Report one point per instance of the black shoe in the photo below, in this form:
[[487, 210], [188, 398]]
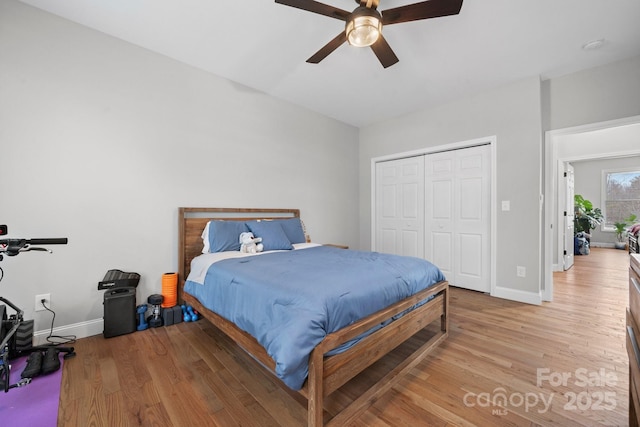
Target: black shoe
[[51, 362], [34, 365]]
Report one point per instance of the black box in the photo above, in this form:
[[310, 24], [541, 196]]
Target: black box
[[119, 312], [171, 315], [167, 316], [177, 314]]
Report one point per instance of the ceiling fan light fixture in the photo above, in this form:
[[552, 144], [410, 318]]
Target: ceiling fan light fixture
[[363, 27]]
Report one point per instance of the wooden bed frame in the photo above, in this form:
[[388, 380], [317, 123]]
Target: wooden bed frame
[[326, 374]]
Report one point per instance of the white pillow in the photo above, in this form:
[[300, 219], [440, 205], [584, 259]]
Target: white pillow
[[205, 239]]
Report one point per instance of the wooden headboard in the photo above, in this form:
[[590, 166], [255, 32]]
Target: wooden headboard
[[191, 223]]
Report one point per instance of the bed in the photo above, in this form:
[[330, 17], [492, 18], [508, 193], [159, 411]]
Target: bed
[[342, 351]]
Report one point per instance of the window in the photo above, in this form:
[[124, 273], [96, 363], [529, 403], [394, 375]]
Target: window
[[621, 190]]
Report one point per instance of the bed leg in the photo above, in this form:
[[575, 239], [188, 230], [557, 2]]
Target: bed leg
[[444, 319], [315, 404]]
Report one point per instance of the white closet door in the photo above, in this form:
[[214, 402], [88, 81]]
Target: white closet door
[[400, 207], [439, 211], [457, 215], [474, 219]]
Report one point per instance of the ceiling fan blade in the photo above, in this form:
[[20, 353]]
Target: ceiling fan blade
[[328, 48], [316, 7], [384, 52], [423, 10]]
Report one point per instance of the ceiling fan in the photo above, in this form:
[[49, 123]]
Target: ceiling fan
[[364, 25]]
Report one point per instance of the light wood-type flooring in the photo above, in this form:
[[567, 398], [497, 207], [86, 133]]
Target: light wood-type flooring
[[504, 364]]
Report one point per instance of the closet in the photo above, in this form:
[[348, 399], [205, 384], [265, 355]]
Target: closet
[[437, 206]]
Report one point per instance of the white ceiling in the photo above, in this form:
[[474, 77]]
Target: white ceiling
[[264, 45]]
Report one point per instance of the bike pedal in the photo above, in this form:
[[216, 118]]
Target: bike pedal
[[51, 362], [34, 365]]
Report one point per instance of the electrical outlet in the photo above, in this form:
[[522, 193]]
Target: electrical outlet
[[47, 301], [521, 271]]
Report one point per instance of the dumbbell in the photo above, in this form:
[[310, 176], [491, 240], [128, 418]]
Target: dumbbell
[[194, 314], [142, 310], [155, 320], [188, 315]]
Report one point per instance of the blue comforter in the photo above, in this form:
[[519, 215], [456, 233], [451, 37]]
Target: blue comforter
[[290, 300]]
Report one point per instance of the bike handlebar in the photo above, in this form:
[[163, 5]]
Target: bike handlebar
[[22, 242], [56, 241], [14, 246]]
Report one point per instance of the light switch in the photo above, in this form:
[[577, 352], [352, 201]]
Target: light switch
[[506, 205]]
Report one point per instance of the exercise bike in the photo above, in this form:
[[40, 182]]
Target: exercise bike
[[14, 326]]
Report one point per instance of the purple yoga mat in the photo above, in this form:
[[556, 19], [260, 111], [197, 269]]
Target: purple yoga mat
[[35, 404]]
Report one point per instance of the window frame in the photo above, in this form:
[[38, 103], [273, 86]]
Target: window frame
[[603, 195]]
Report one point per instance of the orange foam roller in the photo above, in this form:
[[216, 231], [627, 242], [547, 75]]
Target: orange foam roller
[[169, 289]]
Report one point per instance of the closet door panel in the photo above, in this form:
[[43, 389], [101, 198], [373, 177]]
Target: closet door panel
[[387, 241], [470, 260], [473, 218], [410, 240], [471, 199], [441, 249], [458, 205], [400, 207], [439, 212]]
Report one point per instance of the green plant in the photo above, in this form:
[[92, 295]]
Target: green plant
[[586, 216], [621, 227]]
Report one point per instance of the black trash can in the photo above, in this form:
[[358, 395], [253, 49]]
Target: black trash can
[[119, 302], [119, 312]]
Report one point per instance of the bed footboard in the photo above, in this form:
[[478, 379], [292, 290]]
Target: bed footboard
[[328, 374]]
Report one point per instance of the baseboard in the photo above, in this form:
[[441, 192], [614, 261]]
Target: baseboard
[[79, 330], [517, 295], [602, 245]]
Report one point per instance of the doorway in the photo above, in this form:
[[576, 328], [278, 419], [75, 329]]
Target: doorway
[[616, 138]]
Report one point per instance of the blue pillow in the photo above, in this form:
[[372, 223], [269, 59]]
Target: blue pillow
[[225, 235], [272, 234], [293, 229]]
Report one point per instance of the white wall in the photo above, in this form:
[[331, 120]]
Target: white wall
[[595, 95], [102, 141], [512, 114]]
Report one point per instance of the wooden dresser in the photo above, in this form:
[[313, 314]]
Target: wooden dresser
[[633, 340]]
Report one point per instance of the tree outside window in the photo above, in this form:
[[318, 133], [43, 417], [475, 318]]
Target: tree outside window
[[622, 196]]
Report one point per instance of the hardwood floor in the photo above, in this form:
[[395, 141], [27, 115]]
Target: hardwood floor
[[504, 364]]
